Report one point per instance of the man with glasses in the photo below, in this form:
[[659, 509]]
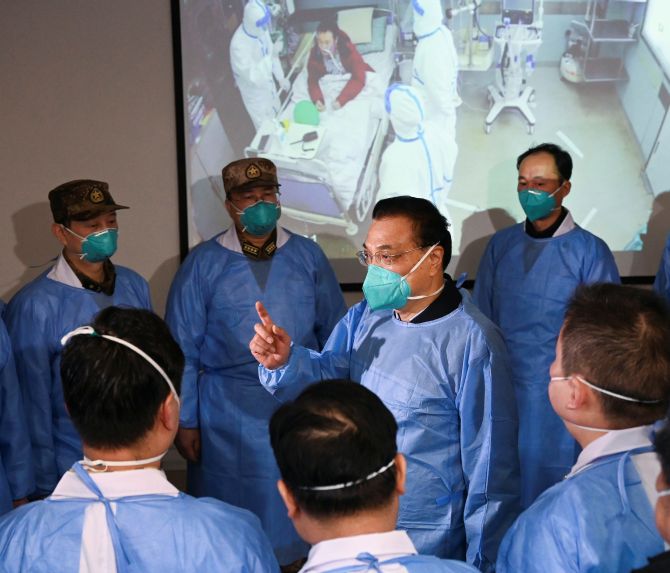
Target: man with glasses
[[441, 368], [225, 411], [525, 280]]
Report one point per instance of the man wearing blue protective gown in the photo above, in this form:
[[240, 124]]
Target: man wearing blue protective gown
[[342, 477], [662, 282], [115, 511], [81, 283], [16, 467], [609, 383], [525, 279], [441, 368], [211, 313]]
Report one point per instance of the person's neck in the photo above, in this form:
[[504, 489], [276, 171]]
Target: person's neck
[[94, 271], [380, 521], [255, 240], [541, 225], [124, 455], [585, 437], [414, 307]]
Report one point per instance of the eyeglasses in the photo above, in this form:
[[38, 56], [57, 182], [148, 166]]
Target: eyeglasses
[[382, 257], [244, 199]]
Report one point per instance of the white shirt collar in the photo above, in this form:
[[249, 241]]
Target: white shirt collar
[[114, 485], [613, 442], [567, 225], [342, 552], [231, 241], [62, 272]]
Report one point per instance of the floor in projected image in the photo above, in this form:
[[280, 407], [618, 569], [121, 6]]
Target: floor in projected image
[[608, 195]]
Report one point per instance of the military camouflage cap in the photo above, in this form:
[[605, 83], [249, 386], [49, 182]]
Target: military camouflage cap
[[245, 173], [80, 200]]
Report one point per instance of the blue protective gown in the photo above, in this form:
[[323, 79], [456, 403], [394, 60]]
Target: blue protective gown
[[662, 282], [16, 464], [37, 317], [211, 314], [524, 285], [150, 533], [448, 384], [597, 521]]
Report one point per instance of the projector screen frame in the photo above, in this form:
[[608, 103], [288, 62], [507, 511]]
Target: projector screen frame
[[349, 272]]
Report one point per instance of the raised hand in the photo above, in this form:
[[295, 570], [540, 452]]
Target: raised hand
[[271, 344]]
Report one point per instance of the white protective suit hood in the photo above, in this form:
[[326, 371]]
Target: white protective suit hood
[[405, 109], [256, 17], [427, 16]]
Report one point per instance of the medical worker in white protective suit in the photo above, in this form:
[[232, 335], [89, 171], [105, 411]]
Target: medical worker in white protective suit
[[412, 164], [435, 76], [256, 64], [438, 365], [115, 511], [610, 384]]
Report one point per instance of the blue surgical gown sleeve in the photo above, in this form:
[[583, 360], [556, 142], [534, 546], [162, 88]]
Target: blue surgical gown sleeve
[[15, 450], [330, 305], [307, 366], [30, 335], [662, 282], [483, 291], [186, 315], [601, 266], [488, 439]]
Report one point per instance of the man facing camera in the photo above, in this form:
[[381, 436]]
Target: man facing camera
[[609, 383], [115, 511], [81, 283], [341, 481], [525, 280]]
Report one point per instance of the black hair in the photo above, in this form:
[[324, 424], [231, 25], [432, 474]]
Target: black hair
[[112, 393], [329, 24], [429, 225], [618, 338], [335, 432], [561, 157]]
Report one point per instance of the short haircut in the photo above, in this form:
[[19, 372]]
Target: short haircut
[[112, 393], [561, 158], [662, 447], [328, 24], [335, 432], [618, 338], [428, 224]]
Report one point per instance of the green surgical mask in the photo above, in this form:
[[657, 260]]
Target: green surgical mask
[[260, 218], [385, 289], [537, 204], [97, 246]]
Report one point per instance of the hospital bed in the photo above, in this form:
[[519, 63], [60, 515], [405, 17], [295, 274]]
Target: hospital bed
[[331, 180]]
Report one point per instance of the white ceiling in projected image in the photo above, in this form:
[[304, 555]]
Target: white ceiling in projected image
[[590, 76]]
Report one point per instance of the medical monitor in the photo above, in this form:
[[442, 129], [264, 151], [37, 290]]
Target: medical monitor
[[332, 159]]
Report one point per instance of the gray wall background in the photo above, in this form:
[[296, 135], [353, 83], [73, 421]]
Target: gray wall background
[[86, 91]]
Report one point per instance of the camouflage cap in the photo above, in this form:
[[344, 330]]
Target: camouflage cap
[[80, 200], [245, 173]]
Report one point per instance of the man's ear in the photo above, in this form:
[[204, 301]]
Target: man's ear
[[168, 413], [58, 232], [436, 256], [292, 507], [400, 473], [580, 396]]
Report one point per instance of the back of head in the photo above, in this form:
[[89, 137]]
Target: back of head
[[256, 16], [112, 393], [561, 158], [618, 338], [334, 433], [427, 16], [429, 225]]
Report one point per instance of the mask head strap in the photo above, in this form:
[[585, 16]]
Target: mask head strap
[[88, 330], [348, 484], [604, 391]]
